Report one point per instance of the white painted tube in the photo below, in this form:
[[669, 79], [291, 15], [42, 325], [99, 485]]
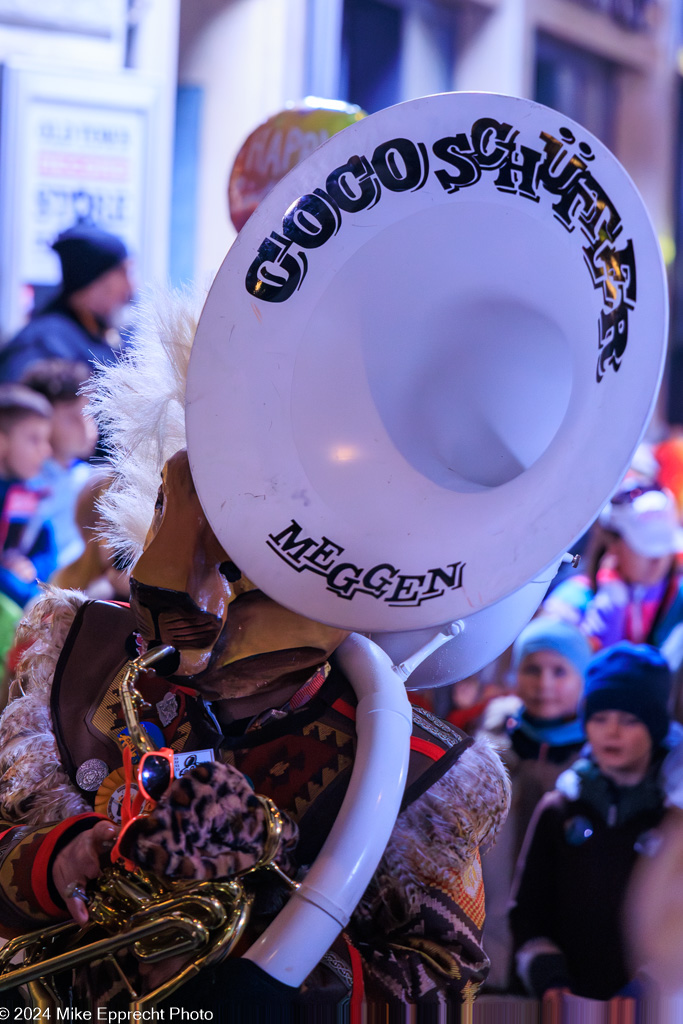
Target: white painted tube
[[306, 927]]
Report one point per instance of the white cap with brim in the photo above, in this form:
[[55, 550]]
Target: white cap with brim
[[648, 523]]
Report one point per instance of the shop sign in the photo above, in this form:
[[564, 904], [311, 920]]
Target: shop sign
[[82, 162]]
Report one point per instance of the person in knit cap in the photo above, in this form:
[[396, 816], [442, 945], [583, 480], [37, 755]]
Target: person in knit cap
[[587, 835], [538, 733], [79, 323]]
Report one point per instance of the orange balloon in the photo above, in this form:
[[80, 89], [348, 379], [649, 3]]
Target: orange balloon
[[278, 145], [669, 455]]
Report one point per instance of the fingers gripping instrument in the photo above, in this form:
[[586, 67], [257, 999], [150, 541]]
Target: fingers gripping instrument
[[153, 917]]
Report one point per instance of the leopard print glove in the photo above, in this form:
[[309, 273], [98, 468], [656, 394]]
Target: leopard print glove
[[209, 824]]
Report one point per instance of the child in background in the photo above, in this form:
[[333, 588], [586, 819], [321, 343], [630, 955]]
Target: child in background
[[73, 438], [469, 699], [96, 571], [635, 592], [585, 837], [27, 548], [538, 734]]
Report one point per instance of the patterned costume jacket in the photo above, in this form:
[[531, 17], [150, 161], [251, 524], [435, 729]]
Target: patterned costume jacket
[[415, 936]]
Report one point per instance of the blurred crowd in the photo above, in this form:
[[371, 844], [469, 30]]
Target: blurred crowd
[[52, 470], [584, 708]]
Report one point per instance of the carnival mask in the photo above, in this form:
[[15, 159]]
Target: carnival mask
[[187, 592]]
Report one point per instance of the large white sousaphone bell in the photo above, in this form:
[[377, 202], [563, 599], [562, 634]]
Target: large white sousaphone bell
[[420, 373]]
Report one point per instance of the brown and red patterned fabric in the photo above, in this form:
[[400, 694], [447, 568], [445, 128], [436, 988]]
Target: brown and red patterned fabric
[[415, 937]]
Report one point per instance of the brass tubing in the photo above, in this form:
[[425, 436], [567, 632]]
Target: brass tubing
[[16, 945], [131, 699], [155, 918], [197, 935]]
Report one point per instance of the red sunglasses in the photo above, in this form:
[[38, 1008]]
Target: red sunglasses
[[155, 773]]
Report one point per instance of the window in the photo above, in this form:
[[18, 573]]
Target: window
[[632, 14], [675, 378], [578, 84], [394, 50]]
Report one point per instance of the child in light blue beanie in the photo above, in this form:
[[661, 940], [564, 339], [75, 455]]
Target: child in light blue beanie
[[538, 733], [549, 659], [550, 634]]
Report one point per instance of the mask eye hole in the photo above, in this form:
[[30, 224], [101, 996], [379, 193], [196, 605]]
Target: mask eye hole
[[159, 504], [230, 571]]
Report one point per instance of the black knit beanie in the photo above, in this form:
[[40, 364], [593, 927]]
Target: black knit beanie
[[633, 678], [86, 252]]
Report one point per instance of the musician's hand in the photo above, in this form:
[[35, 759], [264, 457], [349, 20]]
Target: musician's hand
[[79, 861], [208, 824]]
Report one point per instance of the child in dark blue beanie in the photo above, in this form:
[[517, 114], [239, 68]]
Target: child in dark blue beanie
[[634, 679], [586, 836]]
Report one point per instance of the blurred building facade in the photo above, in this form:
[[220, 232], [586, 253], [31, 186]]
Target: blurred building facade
[[610, 64], [215, 69], [87, 108]]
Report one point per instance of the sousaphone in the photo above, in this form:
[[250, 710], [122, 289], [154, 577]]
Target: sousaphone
[[443, 333], [419, 375], [420, 372]]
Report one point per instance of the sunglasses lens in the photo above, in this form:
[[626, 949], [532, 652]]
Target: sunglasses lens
[[154, 775]]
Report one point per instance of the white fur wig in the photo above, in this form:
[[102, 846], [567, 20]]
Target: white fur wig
[[139, 406]]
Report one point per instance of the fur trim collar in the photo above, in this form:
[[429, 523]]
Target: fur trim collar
[[34, 788]]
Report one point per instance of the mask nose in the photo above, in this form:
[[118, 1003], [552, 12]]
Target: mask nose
[[161, 599], [184, 623]]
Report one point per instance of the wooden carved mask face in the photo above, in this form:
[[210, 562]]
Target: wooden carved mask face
[[187, 592]]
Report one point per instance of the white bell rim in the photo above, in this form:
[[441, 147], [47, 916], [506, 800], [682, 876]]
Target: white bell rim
[[360, 493], [475, 641]]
